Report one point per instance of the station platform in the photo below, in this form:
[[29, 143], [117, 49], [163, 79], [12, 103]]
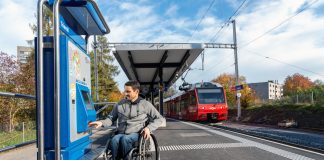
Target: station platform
[[189, 140], [295, 136], [183, 140]]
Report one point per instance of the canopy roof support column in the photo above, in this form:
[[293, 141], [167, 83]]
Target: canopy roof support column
[[132, 64], [161, 90], [183, 60]]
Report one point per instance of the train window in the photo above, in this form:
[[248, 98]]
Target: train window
[[210, 95], [192, 100], [185, 102], [177, 107]]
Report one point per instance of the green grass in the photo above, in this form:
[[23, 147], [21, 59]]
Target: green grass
[[16, 137]]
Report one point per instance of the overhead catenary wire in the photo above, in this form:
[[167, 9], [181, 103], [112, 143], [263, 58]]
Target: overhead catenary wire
[[280, 24], [203, 17], [215, 65], [227, 22], [286, 20], [238, 11], [282, 62], [224, 68]]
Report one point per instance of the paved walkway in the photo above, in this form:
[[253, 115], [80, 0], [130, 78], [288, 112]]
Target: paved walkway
[[29, 152], [188, 140]]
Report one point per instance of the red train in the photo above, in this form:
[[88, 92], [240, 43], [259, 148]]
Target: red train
[[201, 102]]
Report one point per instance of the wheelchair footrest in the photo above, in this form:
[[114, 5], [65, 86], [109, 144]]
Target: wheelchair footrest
[[94, 153]]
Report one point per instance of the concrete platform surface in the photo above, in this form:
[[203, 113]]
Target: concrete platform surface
[[181, 140]]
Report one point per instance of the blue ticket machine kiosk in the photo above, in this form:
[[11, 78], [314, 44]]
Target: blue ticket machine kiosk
[[63, 69]]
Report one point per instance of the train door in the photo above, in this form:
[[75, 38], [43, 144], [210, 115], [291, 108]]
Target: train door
[[177, 111], [181, 114], [184, 107], [193, 108]]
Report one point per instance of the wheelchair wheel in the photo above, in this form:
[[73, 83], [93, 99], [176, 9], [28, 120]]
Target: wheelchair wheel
[[133, 154], [149, 149], [107, 153]]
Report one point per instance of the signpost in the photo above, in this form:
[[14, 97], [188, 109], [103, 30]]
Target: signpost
[[237, 88]]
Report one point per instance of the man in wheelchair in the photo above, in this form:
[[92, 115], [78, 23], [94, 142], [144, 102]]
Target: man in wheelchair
[[135, 116]]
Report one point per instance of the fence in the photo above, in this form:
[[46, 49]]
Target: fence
[[25, 132], [103, 108], [14, 132], [21, 133], [311, 98]]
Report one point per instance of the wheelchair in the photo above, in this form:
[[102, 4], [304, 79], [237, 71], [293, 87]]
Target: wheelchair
[[143, 149]]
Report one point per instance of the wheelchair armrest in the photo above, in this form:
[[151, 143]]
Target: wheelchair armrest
[[111, 127]]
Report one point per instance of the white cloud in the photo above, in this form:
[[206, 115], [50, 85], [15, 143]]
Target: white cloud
[[298, 42], [293, 43], [15, 18], [172, 11]]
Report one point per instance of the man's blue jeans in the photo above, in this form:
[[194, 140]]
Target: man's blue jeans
[[122, 143]]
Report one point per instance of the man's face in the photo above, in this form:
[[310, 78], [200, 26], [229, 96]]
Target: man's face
[[130, 93]]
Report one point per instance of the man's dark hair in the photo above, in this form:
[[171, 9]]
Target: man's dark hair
[[134, 84]]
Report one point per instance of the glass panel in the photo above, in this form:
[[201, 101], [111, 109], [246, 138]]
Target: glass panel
[[87, 101], [210, 95], [192, 100]]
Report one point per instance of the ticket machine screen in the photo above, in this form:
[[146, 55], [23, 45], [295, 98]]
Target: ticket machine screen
[[86, 99]]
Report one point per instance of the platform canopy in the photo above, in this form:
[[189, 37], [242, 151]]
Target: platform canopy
[[149, 62]]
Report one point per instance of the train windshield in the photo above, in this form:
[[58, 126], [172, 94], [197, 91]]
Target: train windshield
[[210, 95]]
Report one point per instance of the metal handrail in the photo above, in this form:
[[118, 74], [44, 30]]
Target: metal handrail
[[17, 95], [101, 103], [40, 83], [57, 96], [107, 104]]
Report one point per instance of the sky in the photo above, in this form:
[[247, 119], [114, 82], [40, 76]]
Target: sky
[[274, 38]]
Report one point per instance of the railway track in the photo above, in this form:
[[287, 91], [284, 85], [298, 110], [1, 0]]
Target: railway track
[[263, 136]]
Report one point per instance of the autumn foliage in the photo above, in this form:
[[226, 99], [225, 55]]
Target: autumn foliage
[[107, 87], [296, 83], [20, 78], [228, 81], [16, 78]]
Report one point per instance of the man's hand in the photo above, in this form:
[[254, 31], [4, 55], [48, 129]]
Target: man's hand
[[146, 133], [95, 124]]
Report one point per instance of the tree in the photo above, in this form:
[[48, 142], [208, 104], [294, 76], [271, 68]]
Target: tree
[[296, 83], [318, 83], [107, 87], [228, 81], [47, 22], [318, 91], [115, 96], [20, 78], [170, 92], [9, 68], [26, 84], [248, 96]]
